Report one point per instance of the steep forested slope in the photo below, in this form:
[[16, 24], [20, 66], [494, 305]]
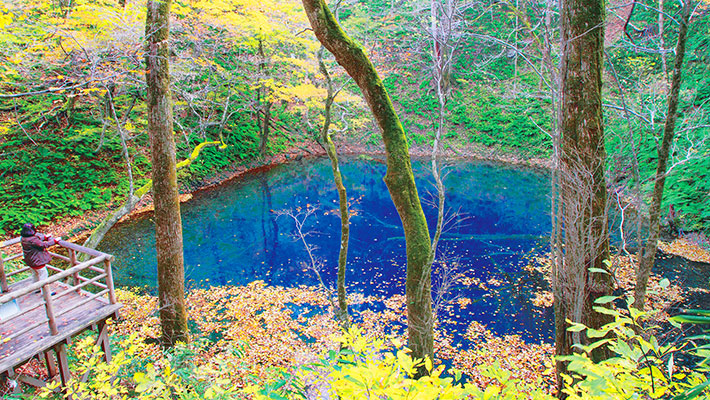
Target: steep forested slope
[[72, 114]]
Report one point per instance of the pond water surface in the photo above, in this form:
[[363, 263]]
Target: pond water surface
[[232, 236]]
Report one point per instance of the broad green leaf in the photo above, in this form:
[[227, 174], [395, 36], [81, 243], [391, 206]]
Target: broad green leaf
[[605, 299], [693, 392], [691, 319], [598, 270], [575, 327]]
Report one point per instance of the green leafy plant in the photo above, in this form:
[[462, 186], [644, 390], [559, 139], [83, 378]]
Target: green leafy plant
[[129, 375], [640, 367]]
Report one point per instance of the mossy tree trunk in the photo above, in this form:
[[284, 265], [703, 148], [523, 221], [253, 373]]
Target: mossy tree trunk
[[649, 253], [399, 177], [580, 281], [168, 224]]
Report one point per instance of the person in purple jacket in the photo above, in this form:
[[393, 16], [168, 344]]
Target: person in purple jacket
[[34, 248]]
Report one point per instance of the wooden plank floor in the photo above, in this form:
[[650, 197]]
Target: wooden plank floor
[[20, 349]]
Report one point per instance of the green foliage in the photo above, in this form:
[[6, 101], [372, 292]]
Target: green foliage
[[689, 191], [221, 84], [492, 119], [640, 366], [131, 375], [476, 114], [56, 175], [644, 85], [49, 165]]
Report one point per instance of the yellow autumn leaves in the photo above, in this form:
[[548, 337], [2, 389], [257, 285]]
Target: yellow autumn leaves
[[5, 17]]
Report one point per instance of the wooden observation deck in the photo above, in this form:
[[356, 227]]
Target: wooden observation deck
[[37, 318]]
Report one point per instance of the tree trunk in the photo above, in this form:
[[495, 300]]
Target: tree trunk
[[662, 45], [649, 254], [343, 316], [442, 54], [556, 242], [168, 224], [399, 177], [100, 231], [583, 187], [265, 129], [262, 96]]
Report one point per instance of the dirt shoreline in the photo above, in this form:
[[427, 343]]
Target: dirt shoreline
[[77, 229]]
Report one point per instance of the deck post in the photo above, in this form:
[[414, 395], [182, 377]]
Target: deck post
[[64, 374], [72, 263], [50, 309], [3, 278], [9, 379], [109, 281], [102, 340], [51, 365]]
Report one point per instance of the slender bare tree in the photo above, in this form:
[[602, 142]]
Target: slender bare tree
[[445, 32], [645, 263], [331, 92], [263, 102]]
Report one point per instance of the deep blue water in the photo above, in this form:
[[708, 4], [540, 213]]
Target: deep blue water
[[231, 236]]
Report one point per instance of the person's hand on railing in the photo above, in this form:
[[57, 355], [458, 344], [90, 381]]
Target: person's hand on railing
[[53, 239]]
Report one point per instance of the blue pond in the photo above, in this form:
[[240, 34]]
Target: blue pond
[[232, 236]]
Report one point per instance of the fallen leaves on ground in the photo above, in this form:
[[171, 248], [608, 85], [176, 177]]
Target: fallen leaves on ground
[[257, 328], [527, 361], [687, 249], [624, 270]]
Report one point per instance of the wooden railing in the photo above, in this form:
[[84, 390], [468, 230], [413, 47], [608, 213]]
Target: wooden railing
[[101, 280]]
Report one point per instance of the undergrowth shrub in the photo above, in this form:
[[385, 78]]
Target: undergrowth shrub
[[60, 174], [362, 366], [366, 367], [131, 375], [642, 366]]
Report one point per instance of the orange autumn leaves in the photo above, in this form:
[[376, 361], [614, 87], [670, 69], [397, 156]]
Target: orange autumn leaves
[[256, 329], [624, 267], [686, 249], [528, 362]]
